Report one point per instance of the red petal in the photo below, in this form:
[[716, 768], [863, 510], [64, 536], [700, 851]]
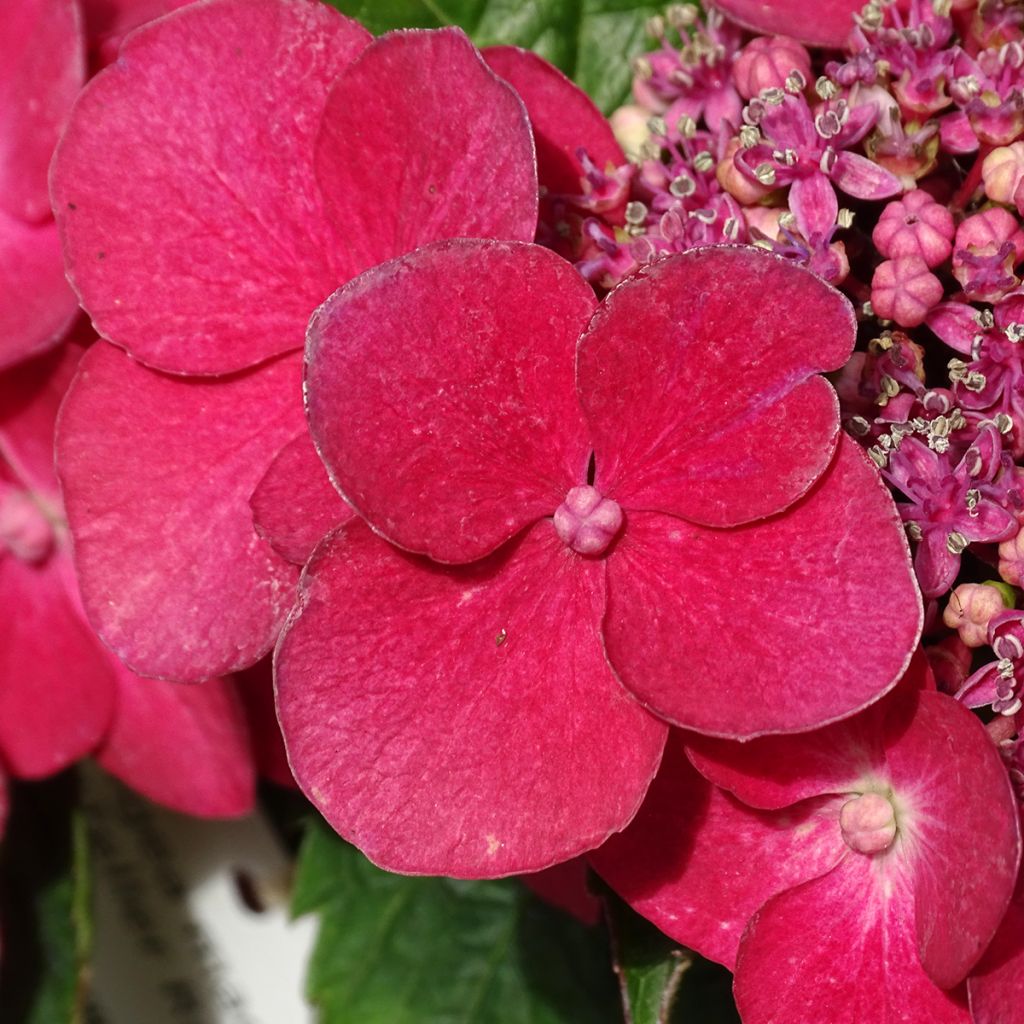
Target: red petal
[[30, 395], [460, 721], [815, 22], [184, 185], [563, 116], [295, 505], [421, 141], [36, 305], [840, 949], [997, 987], [186, 747], [762, 628], [256, 688], [565, 886], [56, 684], [42, 67], [778, 771], [962, 835], [157, 472], [440, 393], [699, 864], [698, 379]]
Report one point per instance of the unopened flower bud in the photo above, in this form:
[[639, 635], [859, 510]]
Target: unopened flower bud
[[868, 823], [767, 63], [1003, 171], [905, 290], [971, 606], [631, 129], [915, 225]]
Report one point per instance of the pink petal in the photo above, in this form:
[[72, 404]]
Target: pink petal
[[295, 505], [422, 141], [157, 472], [563, 117], [778, 771], [814, 204], [30, 396], [565, 886], [996, 988], [862, 178], [818, 23], [56, 686], [838, 949], [699, 864], [256, 688], [440, 393], [186, 747], [37, 307], [763, 628], [460, 721], [192, 224], [962, 834], [955, 323], [42, 67], [698, 379]]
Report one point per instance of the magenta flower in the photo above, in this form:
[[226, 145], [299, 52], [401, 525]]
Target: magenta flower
[[453, 700], [829, 869], [213, 187], [822, 23], [952, 504], [62, 694], [42, 67]]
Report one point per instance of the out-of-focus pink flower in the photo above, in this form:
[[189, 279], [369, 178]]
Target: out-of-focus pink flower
[[207, 207], [463, 431], [842, 854], [42, 67], [62, 694], [821, 23], [1002, 171]]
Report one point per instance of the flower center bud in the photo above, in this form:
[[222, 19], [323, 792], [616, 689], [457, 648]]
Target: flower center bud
[[868, 823], [587, 521], [24, 530]]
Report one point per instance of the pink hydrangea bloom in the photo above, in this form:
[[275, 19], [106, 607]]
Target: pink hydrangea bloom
[[207, 207], [62, 694], [821, 23], [42, 67], [461, 426], [828, 869]]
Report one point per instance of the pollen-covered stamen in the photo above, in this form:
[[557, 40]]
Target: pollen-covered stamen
[[587, 521], [868, 823], [24, 529]]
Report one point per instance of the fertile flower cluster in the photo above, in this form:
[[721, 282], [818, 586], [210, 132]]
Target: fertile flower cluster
[[519, 454]]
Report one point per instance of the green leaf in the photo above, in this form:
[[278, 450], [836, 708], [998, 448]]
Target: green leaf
[[661, 982], [44, 884], [400, 950], [592, 41]]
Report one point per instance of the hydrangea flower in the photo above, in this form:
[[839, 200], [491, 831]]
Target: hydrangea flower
[[450, 695], [240, 161], [62, 694], [855, 874]]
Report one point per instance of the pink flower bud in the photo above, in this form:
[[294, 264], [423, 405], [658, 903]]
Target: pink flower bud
[[629, 125], [764, 219], [868, 823], [739, 185], [1011, 560], [1002, 172], [971, 606], [766, 63], [987, 231], [988, 246], [915, 225], [905, 290], [587, 521]]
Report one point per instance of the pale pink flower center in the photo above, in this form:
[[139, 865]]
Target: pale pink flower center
[[587, 521], [868, 823], [24, 529]]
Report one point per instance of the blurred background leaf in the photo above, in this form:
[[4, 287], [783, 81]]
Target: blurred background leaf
[[592, 41], [399, 950], [44, 911]]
